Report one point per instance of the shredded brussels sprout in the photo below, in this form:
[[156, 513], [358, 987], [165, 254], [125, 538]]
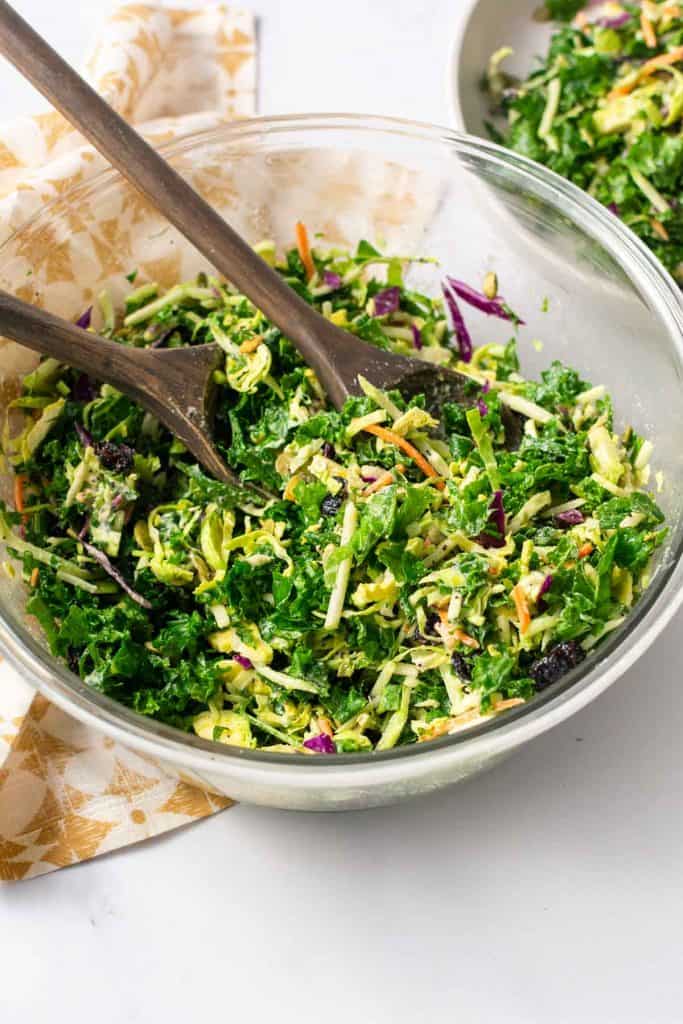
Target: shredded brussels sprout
[[408, 576], [604, 108]]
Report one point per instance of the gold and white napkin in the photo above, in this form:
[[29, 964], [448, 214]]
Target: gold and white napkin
[[68, 793]]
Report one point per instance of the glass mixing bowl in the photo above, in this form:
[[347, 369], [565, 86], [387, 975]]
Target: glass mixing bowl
[[612, 312]]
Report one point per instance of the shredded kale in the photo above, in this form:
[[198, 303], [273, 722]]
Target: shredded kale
[[599, 112], [368, 603]]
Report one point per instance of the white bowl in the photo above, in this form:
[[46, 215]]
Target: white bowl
[[487, 26]]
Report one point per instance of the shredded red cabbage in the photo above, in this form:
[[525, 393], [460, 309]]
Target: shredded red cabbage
[[606, 20], [322, 744], [572, 517], [84, 436], [332, 280], [161, 338], [498, 512], [387, 301], [613, 208], [492, 307], [497, 519], [616, 21], [329, 451], [482, 407], [541, 604], [112, 571], [458, 324], [241, 660], [545, 586], [85, 319], [486, 388], [417, 337]]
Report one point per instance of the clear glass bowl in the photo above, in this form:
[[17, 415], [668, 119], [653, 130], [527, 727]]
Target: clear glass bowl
[[613, 313]]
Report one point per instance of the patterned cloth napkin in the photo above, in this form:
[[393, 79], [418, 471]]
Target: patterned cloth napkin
[[68, 793]]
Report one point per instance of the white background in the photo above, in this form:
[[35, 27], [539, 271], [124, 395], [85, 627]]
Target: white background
[[549, 890]]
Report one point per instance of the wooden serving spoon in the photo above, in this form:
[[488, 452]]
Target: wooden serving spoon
[[176, 385]]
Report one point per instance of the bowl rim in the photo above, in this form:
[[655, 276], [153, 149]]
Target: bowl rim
[[495, 735]]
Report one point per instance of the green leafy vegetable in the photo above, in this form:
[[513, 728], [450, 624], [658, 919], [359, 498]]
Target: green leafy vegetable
[[602, 112], [366, 603]]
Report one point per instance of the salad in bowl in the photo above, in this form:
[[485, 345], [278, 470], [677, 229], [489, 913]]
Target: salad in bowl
[[413, 571]]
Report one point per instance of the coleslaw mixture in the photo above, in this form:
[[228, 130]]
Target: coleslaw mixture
[[407, 578], [604, 108]]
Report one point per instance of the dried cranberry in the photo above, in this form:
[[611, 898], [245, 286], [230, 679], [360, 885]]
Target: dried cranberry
[[461, 666], [487, 540], [556, 663], [85, 388], [331, 504], [572, 517], [116, 457], [431, 622]]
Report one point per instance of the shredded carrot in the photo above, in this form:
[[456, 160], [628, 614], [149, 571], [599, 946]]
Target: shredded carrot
[[466, 639], [304, 248], [436, 729], [511, 702], [459, 635], [392, 438], [672, 11], [473, 715], [663, 60], [19, 482], [325, 725], [522, 608], [383, 481], [622, 90], [660, 230], [585, 550], [251, 344], [35, 576], [647, 27]]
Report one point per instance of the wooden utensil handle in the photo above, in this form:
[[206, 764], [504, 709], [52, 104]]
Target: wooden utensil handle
[[162, 185], [42, 332], [174, 384]]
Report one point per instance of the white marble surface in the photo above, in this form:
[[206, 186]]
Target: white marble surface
[[547, 890]]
